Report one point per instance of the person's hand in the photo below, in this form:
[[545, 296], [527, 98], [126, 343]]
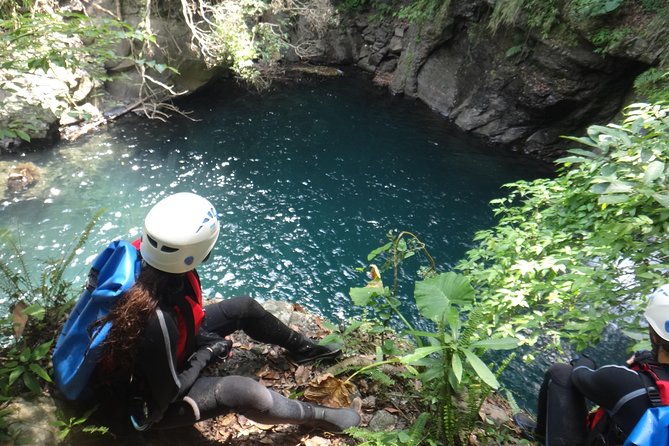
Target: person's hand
[[641, 357], [221, 349]]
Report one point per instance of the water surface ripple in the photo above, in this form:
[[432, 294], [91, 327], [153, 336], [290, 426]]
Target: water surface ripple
[[307, 180]]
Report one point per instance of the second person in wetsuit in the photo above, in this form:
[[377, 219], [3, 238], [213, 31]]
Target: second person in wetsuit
[[621, 390]]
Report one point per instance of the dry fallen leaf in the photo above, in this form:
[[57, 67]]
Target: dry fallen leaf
[[19, 318], [302, 375], [268, 374], [329, 391]]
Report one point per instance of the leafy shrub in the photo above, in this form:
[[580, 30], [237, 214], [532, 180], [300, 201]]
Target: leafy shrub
[[37, 311], [572, 254], [447, 359]]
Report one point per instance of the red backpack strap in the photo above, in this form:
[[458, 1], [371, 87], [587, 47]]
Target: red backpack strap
[[599, 427], [658, 389], [190, 315], [196, 299]]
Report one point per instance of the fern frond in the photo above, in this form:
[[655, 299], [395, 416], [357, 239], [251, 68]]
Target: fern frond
[[380, 377], [416, 431], [450, 419], [52, 283], [473, 324]]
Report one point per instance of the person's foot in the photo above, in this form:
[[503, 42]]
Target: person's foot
[[337, 420], [312, 352], [526, 425]]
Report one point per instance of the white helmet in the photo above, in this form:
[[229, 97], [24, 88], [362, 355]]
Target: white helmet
[[179, 233], [657, 311]]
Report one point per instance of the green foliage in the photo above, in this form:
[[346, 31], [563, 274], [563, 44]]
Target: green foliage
[[653, 84], [542, 15], [606, 39], [593, 8], [405, 437], [38, 306], [242, 44], [446, 360], [577, 252], [38, 41], [68, 426], [28, 364], [414, 11], [250, 36], [420, 11], [12, 8], [63, 46]]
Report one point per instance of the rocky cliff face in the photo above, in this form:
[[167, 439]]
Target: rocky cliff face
[[513, 87]]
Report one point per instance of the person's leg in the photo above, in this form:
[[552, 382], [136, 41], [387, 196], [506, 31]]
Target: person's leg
[[214, 396], [561, 414], [245, 313]]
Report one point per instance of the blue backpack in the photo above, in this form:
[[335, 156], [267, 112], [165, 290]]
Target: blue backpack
[[652, 428], [78, 350]]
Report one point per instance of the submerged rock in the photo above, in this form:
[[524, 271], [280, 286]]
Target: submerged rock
[[21, 177]]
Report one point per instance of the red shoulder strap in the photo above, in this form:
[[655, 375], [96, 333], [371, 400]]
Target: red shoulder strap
[[660, 377], [189, 318]]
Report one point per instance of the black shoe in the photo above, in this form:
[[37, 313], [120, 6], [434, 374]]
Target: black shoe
[[527, 426], [313, 351]]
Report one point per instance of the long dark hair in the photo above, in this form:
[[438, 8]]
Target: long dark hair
[[131, 314], [658, 343]]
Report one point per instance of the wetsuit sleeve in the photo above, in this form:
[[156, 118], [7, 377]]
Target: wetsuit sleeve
[[618, 389], [164, 382], [194, 366]]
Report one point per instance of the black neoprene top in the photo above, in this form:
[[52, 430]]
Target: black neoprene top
[[620, 390]]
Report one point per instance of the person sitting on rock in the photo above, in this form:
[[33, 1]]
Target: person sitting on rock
[[161, 337], [623, 393]]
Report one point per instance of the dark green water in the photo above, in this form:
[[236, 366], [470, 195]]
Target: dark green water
[[307, 179]]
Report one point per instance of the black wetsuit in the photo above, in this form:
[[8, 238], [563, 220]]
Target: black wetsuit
[[164, 394], [562, 409], [166, 382]]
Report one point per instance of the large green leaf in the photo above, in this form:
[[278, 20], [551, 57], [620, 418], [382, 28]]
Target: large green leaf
[[362, 296], [435, 295], [456, 367], [481, 369], [31, 382], [496, 344], [654, 170], [16, 374], [378, 251], [39, 371], [420, 353]]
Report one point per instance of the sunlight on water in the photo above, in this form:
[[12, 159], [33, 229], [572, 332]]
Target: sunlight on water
[[307, 181]]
